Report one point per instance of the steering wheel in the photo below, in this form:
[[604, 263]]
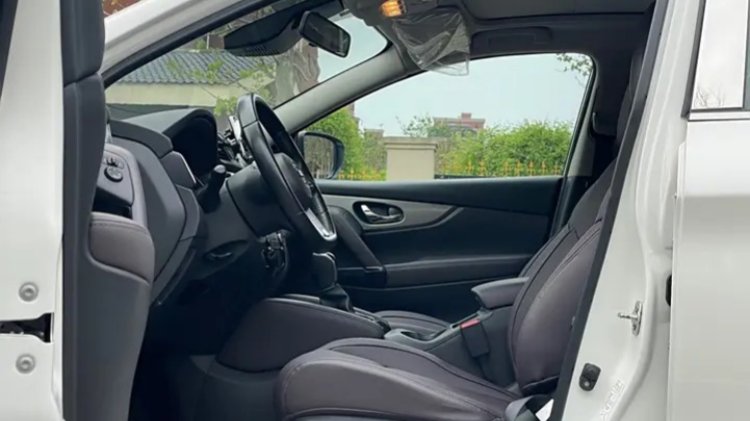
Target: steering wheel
[[286, 174]]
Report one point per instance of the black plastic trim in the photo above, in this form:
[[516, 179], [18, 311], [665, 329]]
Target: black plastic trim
[[540, 192], [572, 189], [165, 210], [159, 143], [618, 182], [171, 122], [453, 269], [350, 233], [7, 20]]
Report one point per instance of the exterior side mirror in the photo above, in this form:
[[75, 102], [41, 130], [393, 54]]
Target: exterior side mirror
[[324, 154]]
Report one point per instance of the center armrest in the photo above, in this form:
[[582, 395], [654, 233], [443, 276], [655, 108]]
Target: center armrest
[[500, 293]]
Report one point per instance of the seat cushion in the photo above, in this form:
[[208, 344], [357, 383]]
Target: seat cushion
[[415, 322], [375, 378]]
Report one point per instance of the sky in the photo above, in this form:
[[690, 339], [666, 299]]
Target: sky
[[502, 90]]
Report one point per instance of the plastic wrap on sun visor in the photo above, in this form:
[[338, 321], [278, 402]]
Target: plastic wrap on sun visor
[[435, 38], [435, 41]]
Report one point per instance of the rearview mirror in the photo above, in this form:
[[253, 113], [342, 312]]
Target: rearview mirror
[[324, 154], [269, 35], [324, 34], [279, 32]]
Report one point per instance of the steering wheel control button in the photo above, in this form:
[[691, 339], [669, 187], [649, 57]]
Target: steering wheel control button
[[113, 174]]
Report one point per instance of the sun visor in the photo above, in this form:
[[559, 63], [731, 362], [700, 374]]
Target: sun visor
[[435, 39]]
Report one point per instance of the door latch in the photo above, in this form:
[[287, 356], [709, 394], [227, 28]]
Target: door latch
[[634, 317]]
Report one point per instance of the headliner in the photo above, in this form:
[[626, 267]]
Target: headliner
[[498, 9]]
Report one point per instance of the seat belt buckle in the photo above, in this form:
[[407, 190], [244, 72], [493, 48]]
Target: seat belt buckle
[[475, 338]]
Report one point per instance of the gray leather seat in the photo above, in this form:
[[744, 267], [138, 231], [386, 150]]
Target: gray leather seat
[[377, 379], [374, 379], [540, 265]]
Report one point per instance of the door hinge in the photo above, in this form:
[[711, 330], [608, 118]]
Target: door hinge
[[634, 317]]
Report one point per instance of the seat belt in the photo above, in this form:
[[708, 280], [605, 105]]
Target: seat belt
[[601, 128], [604, 153]]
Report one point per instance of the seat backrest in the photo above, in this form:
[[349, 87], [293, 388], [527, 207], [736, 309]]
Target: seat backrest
[[543, 312]]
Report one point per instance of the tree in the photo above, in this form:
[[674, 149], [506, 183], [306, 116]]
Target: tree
[[579, 64], [528, 148], [426, 126], [342, 125]]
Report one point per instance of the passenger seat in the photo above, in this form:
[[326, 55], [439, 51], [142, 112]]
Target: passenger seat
[[552, 253]]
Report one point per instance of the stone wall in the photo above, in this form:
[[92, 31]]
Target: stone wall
[[410, 158]]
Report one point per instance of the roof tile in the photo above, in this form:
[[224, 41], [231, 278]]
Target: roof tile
[[212, 67]]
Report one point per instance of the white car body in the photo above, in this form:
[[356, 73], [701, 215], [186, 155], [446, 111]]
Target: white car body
[[31, 226], [683, 211]]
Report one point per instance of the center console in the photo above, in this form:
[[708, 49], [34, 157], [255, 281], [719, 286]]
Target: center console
[[478, 343], [277, 330]]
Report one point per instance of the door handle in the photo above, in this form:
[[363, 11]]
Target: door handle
[[394, 215]]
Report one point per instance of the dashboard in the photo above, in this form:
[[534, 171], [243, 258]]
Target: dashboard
[[152, 172]]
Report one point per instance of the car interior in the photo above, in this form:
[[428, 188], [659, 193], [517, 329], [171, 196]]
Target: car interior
[[214, 278]]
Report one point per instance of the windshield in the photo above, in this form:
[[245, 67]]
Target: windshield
[[202, 73]]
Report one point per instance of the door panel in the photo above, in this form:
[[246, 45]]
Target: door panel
[[534, 195], [450, 236]]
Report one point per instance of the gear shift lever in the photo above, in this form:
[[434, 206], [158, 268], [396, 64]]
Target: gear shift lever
[[325, 275]]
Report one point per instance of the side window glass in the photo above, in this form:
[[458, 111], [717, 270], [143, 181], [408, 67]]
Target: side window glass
[[721, 68], [511, 116]]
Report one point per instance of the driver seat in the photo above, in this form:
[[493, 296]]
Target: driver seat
[[375, 379]]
